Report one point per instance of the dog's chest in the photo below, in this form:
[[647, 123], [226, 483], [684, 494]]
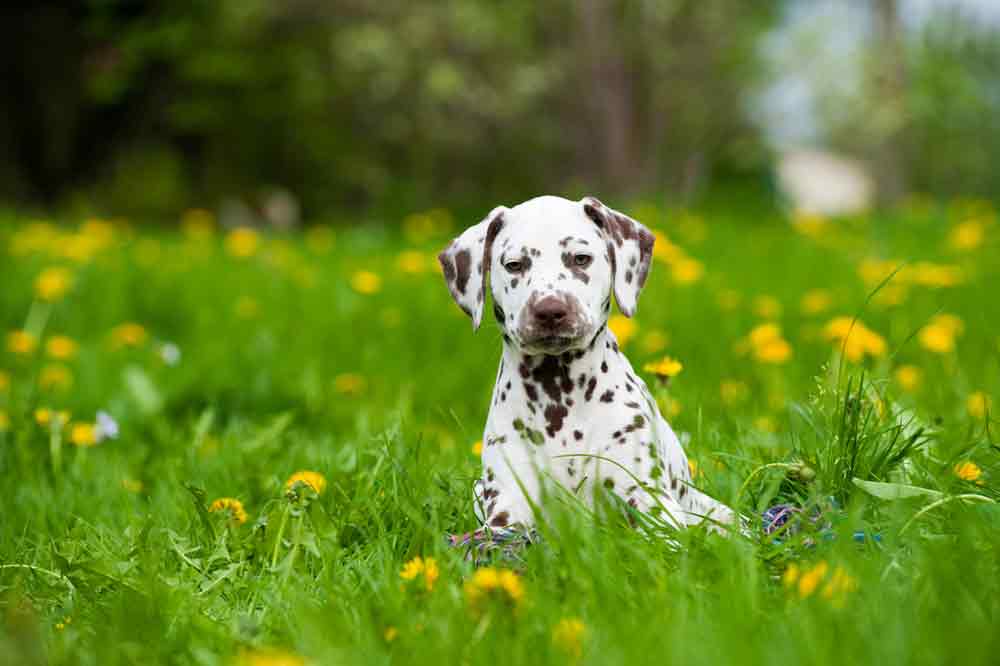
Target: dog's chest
[[566, 412]]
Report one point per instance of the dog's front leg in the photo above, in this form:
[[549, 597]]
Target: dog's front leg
[[510, 487]]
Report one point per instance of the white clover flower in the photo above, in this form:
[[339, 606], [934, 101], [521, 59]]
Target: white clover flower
[[105, 427], [170, 353]]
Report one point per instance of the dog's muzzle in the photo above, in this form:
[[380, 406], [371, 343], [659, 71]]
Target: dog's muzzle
[[552, 324]]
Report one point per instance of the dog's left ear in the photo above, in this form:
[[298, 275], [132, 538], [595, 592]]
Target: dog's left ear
[[466, 264], [630, 251]]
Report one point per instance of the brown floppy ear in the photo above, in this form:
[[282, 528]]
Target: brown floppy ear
[[630, 250], [466, 264]]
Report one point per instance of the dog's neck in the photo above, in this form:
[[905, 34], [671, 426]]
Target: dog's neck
[[598, 358]]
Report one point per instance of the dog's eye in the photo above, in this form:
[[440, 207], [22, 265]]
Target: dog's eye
[[514, 266], [582, 260]]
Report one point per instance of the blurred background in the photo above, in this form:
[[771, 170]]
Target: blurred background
[[305, 109]]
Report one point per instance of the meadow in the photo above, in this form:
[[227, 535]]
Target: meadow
[[241, 447]]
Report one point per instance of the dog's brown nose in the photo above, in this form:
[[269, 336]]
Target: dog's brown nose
[[551, 312]]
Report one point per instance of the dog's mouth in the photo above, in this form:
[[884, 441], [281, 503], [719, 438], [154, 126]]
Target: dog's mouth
[[551, 344]]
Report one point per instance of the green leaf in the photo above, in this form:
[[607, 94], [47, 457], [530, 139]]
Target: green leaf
[[894, 491]]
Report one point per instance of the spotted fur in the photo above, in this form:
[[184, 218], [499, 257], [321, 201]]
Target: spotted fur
[[567, 406]]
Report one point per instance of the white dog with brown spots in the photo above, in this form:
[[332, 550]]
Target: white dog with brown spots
[[567, 405]]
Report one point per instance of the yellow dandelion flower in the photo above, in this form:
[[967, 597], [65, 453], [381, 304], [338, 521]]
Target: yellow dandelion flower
[[810, 580], [809, 224], [733, 391], [891, 295], [666, 251], [510, 583], [687, 271], [950, 322], [366, 282], [937, 339], [816, 301], [764, 333], [132, 485], [773, 351], [198, 223], [55, 377], [390, 634], [767, 344], [349, 383], [839, 585], [4, 421], [940, 333], [767, 307], [486, 578], [928, 274], [129, 334], [968, 471], [314, 480], [623, 328], [412, 569], [791, 575], [654, 341], [242, 242], [61, 347], [854, 338], [967, 236], [53, 283], [665, 368], [232, 506], [412, 261], [492, 582], [21, 342], [908, 377], [568, 635], [83, 434], [4, 382], [431, 572], [477, 448], [269, 658], [765, 424], [978, 405]]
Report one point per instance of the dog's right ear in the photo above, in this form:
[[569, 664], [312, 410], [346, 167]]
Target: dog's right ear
[[466, 264]]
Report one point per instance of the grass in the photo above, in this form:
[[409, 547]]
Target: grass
[[293, 358]]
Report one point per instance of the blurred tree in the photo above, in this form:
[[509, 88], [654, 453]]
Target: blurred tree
[[953, 102], [147, 106]]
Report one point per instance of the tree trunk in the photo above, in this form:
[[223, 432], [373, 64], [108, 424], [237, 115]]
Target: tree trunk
[[606, 92]]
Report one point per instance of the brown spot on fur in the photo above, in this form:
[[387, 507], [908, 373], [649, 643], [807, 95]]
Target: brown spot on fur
[[591, 385], [463, 263], [608, 396], [500, 520], [577, 435], [554, 377]]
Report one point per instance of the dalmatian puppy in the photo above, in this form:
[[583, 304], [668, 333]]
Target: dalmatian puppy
[[567, 406]]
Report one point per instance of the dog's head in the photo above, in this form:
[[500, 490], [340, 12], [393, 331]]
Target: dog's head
[[552, 265]]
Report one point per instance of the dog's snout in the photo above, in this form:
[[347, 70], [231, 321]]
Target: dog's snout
[[551, 312]]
